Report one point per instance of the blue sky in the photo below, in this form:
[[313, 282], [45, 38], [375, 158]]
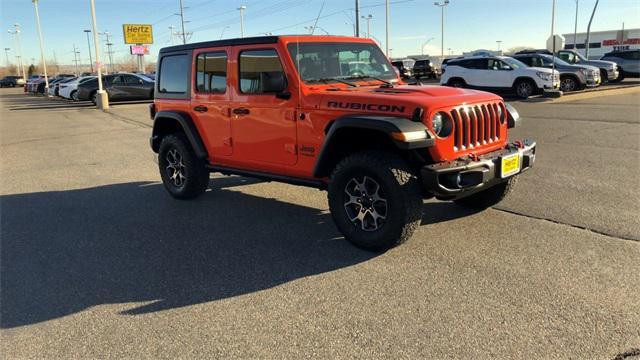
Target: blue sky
[[469, 24]]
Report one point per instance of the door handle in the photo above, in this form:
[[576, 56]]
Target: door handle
[[241, 111], [200, 108]]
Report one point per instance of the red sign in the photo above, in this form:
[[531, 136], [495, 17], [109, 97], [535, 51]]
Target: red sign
[[139, 50], [635, 41]]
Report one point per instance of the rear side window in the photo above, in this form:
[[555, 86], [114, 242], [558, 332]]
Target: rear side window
[[211, 73], [259, 70], [174, 78]]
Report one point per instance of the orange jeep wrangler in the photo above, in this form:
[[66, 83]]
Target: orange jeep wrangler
[[330, 112]]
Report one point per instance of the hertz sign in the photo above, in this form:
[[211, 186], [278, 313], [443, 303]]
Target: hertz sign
[[137, 34]]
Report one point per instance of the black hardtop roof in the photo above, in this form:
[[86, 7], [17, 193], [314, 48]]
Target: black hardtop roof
[[226, 42]]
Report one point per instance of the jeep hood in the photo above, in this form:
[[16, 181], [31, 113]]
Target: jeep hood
[[402, 99]]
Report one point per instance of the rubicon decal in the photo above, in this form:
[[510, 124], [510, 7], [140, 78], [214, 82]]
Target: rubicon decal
[[364, 106]]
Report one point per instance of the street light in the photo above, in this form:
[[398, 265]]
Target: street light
[[6, 53], [242, 9], [426, 43], [368, 18], [16, 33], [498, 42], [442, 6], [89, 45], [44, 63], [222, 32]]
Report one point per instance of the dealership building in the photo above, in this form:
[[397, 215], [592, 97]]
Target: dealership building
[[602, 42]]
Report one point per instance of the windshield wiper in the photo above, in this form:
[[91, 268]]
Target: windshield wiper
[[386, 83], [325, 80]]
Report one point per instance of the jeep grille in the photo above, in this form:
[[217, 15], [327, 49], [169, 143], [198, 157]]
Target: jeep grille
[[476, 125]]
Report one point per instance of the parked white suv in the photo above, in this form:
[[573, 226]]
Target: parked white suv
[[499, 73]]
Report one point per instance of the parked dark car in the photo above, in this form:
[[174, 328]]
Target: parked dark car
[[572, 77], [424, 68], [628, 62], [405, 67], [119, 87], [11, 81], [534, 51]]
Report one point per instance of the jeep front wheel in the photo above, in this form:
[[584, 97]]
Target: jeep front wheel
[[489, 197], [375, 200], [183, 174]]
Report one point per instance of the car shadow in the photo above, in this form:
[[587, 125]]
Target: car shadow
[[65, 251]]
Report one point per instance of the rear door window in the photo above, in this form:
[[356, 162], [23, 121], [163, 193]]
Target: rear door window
[[259, 70], [174, 70], [211, 72]]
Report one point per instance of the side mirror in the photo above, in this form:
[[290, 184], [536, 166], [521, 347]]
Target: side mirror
[[284, 95], [274, 82], [140, 81], [506, 68]]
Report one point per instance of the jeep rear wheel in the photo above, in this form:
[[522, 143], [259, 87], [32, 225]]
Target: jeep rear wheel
[[183, 174], [375, 200], [489, 197]]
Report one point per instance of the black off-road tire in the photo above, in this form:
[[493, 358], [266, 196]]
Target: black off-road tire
[[489, 197], [196, 175], [92, 97], [398, 185]]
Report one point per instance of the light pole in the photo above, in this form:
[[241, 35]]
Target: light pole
[[368, 18], [586, 45], [89, 45], [75, 59], [386, 26], [6, 53], [357, 18], [242, 9], [442, 6], [102, 100], [184, 34], [222, 32], [498, 42], [575, 28], [44, 63], [426, 43], [16, 32], [450, 51], [171, 27]]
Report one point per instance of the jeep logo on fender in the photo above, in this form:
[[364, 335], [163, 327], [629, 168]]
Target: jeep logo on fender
[[362, 106]]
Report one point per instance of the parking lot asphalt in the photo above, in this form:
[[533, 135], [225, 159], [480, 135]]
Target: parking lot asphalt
[[96, 260]]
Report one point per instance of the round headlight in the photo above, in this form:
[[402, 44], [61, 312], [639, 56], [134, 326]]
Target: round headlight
[[437, 123], [442, 125]]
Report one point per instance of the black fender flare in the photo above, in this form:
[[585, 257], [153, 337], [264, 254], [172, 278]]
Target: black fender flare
[[388, 125], [187, 125]]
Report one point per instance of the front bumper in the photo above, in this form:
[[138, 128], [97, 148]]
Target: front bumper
[[460, 178]]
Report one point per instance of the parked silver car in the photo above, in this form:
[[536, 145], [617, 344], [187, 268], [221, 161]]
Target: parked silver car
[[572, 77], [608, 69], [628, 62]]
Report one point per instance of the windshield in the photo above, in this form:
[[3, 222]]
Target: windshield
[[516, 64], [581, 57], [558, 60], [144, 77], [322, 62]]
